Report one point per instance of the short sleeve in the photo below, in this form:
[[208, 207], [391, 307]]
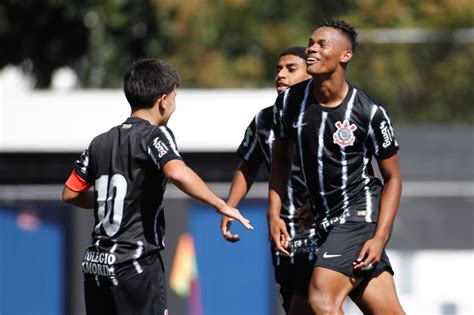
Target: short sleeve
[[280, 125], [249, 151], [382, 136], [162, 147]]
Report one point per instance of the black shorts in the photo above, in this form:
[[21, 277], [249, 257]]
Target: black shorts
[[143, 294], [293, 279], [341, 248]]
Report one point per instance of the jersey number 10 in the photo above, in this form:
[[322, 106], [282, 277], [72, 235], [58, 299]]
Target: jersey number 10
[[110, 198]]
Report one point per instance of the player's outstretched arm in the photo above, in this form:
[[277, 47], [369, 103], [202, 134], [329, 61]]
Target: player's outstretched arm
[[279, 176], [189, 182], [83, 199], [244, 177], [373, 248]]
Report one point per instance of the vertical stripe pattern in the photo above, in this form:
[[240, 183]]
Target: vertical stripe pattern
[[291, 209], [170, 139], [345, 196], [137, 255], [255, 138], [369, 206], [155, 226], [371, 130], [322, 191], [300, 126]]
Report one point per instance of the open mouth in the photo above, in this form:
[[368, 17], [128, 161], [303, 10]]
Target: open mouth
[[311, 60], [281, 87]]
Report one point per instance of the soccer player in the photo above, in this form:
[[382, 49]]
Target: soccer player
[[292, 273], [336, 129], [129, 166]]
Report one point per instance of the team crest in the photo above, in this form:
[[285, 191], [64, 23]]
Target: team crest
[[344, 135]]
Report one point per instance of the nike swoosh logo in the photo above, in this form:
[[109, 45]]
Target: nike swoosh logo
[[298, 125], [326, 255]]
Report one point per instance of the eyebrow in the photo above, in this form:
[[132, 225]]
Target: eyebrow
[[287, 65], [321, 40]]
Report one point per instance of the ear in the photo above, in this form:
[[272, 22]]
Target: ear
[[346, 56], [161, 102]]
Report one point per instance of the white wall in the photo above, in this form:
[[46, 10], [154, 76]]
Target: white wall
[[67, 119]]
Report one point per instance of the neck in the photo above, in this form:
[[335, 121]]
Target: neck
[[147, 114], [331, 90]]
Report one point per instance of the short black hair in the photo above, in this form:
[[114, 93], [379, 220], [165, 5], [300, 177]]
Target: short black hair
[[297, 51], [346, 28], [148, 79]]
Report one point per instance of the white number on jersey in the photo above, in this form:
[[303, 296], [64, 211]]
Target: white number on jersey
[[109, 202]]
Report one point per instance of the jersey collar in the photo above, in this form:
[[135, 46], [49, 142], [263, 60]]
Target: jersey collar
[[136, 120], [339, 107]]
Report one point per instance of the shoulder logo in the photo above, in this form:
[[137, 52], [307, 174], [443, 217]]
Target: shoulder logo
[[387, 135], [160, 147], [344, 135], [248, 135]]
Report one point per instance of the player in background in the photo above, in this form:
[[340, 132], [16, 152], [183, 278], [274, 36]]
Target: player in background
[[292, 273], [128, 168], [337, 129]]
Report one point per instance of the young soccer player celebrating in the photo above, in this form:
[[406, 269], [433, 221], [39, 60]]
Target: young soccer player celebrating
[[128, 168], [336, 129], [293, 273]]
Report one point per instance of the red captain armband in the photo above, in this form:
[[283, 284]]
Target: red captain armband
[[76, 183]]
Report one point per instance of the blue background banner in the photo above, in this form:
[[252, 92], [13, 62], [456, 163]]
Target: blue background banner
[[242, 270]]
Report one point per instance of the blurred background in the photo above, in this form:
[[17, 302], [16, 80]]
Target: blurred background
[[61, 67]]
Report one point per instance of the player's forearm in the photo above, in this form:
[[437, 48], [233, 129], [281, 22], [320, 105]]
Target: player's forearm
[[243, 180], [238, 189], [191, 184], [274, 204], [388, 207], [83, 199]]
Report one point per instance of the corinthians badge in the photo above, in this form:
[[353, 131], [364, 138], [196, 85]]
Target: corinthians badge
[[344, 135]]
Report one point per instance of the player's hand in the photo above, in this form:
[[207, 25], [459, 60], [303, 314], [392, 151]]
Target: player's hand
[[235, 214], [226, 222], [279, 235], [370, 254]]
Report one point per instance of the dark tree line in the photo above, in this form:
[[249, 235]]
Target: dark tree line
[[234, 43]]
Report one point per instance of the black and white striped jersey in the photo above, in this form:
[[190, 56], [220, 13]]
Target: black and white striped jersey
[[256, 148], [335, 146], [125, 166]]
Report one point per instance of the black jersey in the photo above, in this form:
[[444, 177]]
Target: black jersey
[[336, 146], [125, 166], [256, 148]]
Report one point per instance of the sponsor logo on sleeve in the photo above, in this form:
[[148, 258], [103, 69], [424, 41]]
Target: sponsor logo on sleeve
[[83, 162], [160, 147], [248, 135], [386, 134], [344, 135]]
